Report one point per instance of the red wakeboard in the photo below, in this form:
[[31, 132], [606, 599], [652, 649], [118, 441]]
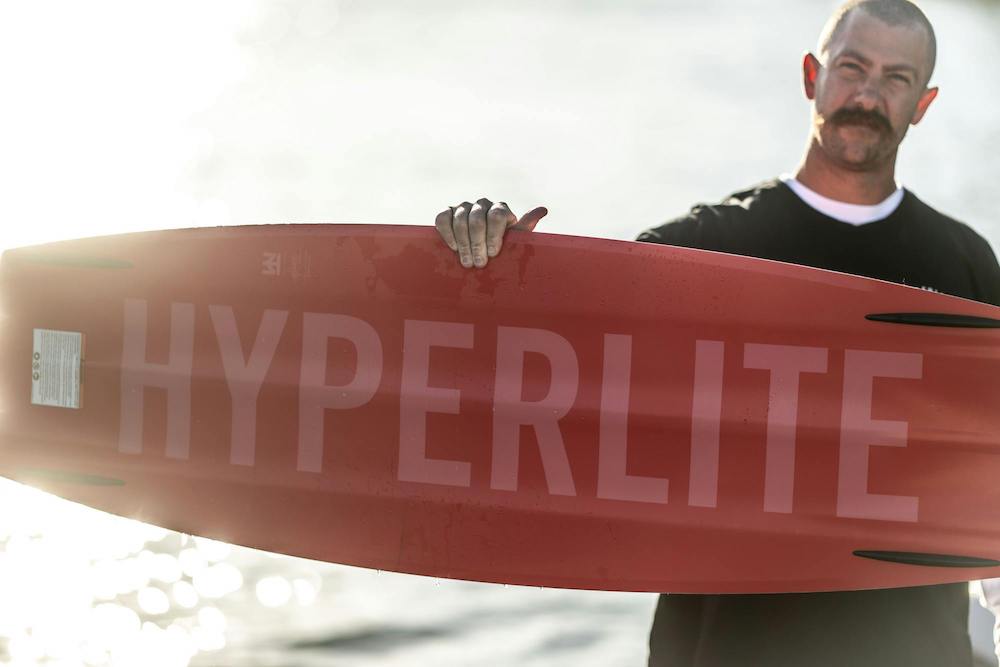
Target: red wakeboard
[[582, 413]]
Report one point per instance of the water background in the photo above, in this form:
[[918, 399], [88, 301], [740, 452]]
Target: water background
[[122, 116]]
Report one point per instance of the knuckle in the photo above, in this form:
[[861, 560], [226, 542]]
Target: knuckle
[[498, 214]]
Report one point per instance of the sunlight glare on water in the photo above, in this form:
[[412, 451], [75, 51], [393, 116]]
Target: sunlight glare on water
[[274, 591], [78, 586]]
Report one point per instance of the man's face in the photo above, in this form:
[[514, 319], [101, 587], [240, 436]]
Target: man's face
[[870, 89]]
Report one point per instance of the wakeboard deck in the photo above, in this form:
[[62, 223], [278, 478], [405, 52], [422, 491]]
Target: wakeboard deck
[[582, 413]]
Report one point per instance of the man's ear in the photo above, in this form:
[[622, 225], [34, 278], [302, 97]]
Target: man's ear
[[810, 72], [925, 101]]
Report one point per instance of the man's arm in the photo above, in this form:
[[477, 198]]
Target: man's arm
[[698, 229], [673, 639], [985, 270]]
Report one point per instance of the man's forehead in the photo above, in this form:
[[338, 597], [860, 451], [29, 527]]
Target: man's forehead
[[878, 41]]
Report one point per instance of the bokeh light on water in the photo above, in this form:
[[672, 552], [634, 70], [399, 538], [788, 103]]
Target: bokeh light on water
[[81, 587]]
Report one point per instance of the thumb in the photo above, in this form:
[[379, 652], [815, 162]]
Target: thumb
[[530, 219]]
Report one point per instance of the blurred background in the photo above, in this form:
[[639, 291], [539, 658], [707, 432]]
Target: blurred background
[[118, 116]]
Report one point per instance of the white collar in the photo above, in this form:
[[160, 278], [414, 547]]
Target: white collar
[[854, 214]]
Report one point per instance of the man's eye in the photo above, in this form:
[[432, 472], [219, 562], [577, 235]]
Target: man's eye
[[851, 66]]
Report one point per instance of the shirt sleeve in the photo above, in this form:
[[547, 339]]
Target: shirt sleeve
[[985, 271], [698, 229]]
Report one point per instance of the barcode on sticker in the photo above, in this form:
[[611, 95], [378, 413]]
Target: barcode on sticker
[[55, 368]]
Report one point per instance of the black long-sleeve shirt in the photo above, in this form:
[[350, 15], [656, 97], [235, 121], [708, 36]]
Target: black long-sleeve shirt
[[908, 627]]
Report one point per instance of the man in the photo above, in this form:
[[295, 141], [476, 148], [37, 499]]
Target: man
[[842, 210]]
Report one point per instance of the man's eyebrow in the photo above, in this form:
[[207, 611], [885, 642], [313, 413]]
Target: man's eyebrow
[[900, 67], [851, 53]]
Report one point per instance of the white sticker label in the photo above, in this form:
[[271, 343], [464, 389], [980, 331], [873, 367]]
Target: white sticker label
[[55, 368]]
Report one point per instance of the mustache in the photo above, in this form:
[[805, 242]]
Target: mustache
[[870, 119]]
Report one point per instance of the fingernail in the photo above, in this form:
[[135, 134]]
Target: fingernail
[[492, 251], [480, 261], [466, 261]]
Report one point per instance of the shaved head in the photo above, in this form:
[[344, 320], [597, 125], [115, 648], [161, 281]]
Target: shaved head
[[890, 12]]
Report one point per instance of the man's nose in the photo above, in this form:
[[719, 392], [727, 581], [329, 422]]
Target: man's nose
[[868, 95]]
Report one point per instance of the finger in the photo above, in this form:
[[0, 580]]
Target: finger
[[531, 218], [460, 227], [477, 231], [498, 220], [443, 225]]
